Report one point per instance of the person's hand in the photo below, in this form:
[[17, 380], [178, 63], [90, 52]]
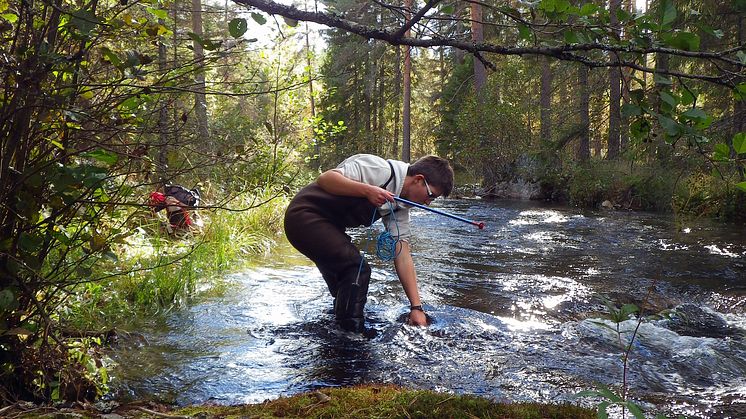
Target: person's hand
[[378, 196], [417, 318]]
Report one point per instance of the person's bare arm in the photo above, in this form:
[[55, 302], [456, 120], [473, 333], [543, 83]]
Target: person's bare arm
[[408, 278]]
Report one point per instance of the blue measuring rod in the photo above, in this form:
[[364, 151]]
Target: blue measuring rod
[[439, 212]]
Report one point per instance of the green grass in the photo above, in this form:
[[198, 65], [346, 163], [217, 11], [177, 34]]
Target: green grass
[[156, 271]]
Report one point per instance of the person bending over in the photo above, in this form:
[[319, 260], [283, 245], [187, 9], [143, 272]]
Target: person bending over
[[357, 192]]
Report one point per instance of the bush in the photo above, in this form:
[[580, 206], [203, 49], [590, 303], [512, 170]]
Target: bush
[[648, 187], [705, 195]]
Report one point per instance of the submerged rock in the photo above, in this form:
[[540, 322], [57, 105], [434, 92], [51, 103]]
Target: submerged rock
[[692, 320]]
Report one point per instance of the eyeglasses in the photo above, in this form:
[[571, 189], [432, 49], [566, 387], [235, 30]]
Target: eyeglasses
[[430, 193]]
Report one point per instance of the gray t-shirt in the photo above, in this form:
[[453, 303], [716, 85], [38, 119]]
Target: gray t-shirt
[[374, 170]]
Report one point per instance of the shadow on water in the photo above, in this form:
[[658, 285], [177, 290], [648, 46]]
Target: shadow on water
[[517, 316]]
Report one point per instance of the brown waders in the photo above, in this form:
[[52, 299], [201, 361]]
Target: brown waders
[[315, 223]]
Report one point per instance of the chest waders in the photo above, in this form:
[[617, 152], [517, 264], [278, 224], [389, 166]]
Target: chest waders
[[315, 223]]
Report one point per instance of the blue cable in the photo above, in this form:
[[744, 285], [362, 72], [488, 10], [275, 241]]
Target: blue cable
[[385, 242]]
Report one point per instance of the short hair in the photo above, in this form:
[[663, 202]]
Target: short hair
[[437, 171]]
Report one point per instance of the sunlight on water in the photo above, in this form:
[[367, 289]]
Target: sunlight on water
[[517, 325], [665, 244], [534, 217], [551, 291], [723, 251]]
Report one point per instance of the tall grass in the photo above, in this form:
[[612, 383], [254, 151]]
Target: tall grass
[[156, 271]]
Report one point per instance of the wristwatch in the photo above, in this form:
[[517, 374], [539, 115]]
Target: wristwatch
[[418, 307]]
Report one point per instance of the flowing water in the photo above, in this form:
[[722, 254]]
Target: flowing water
[[517, 309]]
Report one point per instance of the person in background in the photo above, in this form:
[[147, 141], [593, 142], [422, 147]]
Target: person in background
[[357, 192]]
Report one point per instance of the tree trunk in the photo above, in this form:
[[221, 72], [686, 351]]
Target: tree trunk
[[163, 120], [397, 98], [369, 82], [312, 101], [381, 130], [627, 74], [461, 29], [477, 35], [614, 89], [584, 152], [663, 150], [739, 108], [200, 99], [545, 100], [407, 82]]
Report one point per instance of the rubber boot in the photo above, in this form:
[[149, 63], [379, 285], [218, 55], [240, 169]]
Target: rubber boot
[[332, 283], [351, 298]]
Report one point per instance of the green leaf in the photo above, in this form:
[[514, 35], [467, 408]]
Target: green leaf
[[290, 22], [84, 21], [623, 15], [571, 37], [687, 98], [588, 9], [740, 5], [721, 152], [629, 110], [629, 309], [10, 17], [102, 155], [717, 33], [635, 410], [237, 27], [740, 91], [603, 410], [640, 128], [670, 100], [668, 12], [742, 186], [30, 243], [741, 56], [7, 300], [686, 41], [111, 57], [671, 127], [661, 79], [547, 5], [606, 392], [206, 43], [447, 9], [524, 32], [695, 114], [562, 5], [104, 373], [258, 18], [739, 142], [159, 13]]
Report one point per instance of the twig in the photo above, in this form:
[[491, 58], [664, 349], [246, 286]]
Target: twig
[[161, 415], [6, 408]]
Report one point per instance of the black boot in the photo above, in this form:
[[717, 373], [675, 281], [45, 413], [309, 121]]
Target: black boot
[[351, 297], [349, 307]]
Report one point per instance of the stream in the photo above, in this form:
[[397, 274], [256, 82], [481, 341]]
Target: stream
[[518, 314]]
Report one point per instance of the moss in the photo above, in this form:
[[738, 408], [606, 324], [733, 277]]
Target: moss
[[386, 401]]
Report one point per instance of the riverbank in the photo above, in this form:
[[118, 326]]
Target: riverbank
[[685, 189], [377, 401]]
